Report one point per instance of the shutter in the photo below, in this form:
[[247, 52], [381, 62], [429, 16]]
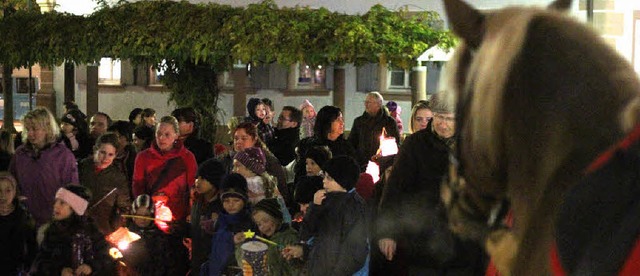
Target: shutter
[[81, 74], [259, 76], [329, 74], [433, 77], [126, 73], [367, 77], [278, 75]]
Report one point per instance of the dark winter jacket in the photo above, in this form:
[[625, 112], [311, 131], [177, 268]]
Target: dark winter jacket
[[411, 214], [5, 159], [176, 180], [18, 239], [202, 230], [276, 263], [155, 253], [60, 237], [201, 149], [222, 253], [41, 174], [339, 231], [284, 144], [366, 131], [85, 145], [338, 147], [125, 162], [106, 214]]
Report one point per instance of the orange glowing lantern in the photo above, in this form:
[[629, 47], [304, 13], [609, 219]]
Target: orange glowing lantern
[[163, 213], [388, 146], [122, 238]]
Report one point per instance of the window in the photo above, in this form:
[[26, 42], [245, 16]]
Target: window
[[156, 74], [109, 71], [22, 86], [309, 77], [398, 78]]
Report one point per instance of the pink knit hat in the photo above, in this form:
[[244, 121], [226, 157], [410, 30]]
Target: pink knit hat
[[306, 103], [253, 158]]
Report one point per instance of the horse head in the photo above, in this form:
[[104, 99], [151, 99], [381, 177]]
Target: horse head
[[539, 95]]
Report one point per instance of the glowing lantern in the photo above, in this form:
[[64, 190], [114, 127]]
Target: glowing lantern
[[163, 213], [387, 147], [122, 238]]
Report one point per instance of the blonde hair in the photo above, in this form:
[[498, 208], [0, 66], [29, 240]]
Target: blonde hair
[[418, 106], [42, 117], [171, 121]]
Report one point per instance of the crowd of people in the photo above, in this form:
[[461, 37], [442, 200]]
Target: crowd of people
[[292, 180]]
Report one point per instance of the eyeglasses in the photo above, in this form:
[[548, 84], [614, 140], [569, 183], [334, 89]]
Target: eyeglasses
[[448, 119]]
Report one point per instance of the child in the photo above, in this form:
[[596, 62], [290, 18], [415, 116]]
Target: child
[[251, 163], [154, 253], [303, 196], [268, 217], [74, 130], [337, 222], [258, 110], [394, 111], [308, 119], [229, 226], [315, 159], [206, 206], [72, 244], [17, 230]]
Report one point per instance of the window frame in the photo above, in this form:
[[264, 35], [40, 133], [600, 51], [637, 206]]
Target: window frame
[[115, 66]]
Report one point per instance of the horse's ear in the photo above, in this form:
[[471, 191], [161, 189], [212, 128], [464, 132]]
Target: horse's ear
[[561, 5], [465, 21]]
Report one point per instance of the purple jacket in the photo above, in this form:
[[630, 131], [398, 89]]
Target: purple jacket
[[39, 177]]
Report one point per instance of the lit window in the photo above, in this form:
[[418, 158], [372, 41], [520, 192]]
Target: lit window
[[398, 78], [309, 77], [156, 74], [109, 71]]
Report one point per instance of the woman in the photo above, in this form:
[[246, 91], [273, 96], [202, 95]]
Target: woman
[[167, 169], [7, 149], [107, 184], [245, 136], [328, 131], [43, 164], [421, 115], [75, 134]]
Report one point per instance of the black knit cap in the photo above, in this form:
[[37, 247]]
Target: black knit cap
[[306, 188], [234, 185], [212, 170], [269, 206], [319, 154], [344, 170]]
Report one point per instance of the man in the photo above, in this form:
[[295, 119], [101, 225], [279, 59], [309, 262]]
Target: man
[[366, 129], [189, 124], [411, 222], [98, 124], [287, 135], [126, 152]]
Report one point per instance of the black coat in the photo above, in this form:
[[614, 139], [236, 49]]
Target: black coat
[[56, 249], [366, 131], [411, 212], [201, 210], [200, 148], [155, 253], [339, 229], [18, 239], [338, 147], [284, 144]]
